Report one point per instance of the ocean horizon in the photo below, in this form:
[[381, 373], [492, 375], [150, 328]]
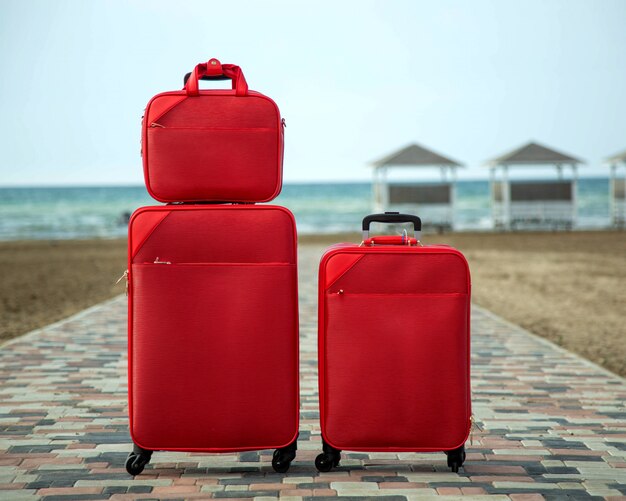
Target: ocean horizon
[[81, 212]]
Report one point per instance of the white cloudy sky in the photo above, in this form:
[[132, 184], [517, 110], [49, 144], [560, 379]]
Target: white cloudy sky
[[354, 79]]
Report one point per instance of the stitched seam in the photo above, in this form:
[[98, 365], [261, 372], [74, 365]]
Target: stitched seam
[[167, 110], [150, 234], [403, 294], [244, 129], [219, 265], [346, 271]]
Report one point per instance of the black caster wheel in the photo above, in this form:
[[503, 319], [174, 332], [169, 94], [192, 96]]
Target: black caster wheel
[[328, 459], [324, 462], [137, 460], [135, 463], [282, 458], [281, 461], [280, 466], [456, 458]]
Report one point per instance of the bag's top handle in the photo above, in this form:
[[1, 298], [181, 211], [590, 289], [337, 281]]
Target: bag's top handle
[[391, 240], [205, 77], [215, 70], [392, 217]]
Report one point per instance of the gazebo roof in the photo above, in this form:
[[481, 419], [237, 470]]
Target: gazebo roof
[[534, 154], [617, 158], [415, 155]]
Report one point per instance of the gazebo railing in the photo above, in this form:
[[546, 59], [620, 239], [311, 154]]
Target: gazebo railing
[[434, 202], [518, 204], [437, 216], [422, 193]]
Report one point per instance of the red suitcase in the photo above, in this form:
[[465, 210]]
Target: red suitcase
[[213, 331], [213, 145], [394, 347]]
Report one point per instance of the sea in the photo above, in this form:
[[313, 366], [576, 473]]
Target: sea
[[38, 213]]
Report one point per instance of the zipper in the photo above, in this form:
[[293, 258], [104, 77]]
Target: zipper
[[155, 125], [158, 261], [283, 123], [125, 278], [342, 292], [143, 116]]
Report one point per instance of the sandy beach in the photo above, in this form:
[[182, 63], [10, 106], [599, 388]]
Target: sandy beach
[[567, 287], [45, 281]]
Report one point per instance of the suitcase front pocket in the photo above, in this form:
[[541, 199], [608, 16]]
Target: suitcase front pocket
[[225, 164], [210, 342], [396, 373]]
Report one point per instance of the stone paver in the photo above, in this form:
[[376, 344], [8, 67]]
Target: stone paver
[[552, 425]]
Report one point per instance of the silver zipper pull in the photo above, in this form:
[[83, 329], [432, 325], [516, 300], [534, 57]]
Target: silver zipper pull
[[156, 261], [154, 124], [123, 277], [473, 426]]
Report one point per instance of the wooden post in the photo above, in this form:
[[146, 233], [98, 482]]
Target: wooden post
[[612, 201], [377, 195], [374, 188], [506, 197], [492, 190], [452, 197], [384, 189], [574, 196], [559, 172]]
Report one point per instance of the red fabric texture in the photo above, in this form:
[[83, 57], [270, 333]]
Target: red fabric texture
[[394, 341], [213, 328]]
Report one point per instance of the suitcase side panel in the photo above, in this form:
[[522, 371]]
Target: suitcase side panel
[[394, 355], [213, 346]]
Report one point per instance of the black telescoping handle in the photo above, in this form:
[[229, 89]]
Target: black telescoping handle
[[215, 77], [391, 217]]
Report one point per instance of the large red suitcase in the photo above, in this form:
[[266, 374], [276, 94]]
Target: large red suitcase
[[394, 347], [212, 331], [213, 145]]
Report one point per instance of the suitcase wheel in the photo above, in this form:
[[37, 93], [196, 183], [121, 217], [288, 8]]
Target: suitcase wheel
[[325, 462], [328, 459], [282, 458], [456, 458], [281, 462], [137, 460]]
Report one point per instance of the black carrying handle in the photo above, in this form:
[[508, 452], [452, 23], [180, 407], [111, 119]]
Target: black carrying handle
[[391, 217], [205, 77]]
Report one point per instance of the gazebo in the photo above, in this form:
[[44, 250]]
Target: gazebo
[[617, 195], [433, 201], [534, 202]]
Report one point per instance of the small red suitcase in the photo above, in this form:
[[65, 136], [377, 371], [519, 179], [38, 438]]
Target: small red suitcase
[[394, 347], [213, 145], [212, 331]]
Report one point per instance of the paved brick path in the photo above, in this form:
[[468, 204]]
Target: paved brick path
[[553, 425]]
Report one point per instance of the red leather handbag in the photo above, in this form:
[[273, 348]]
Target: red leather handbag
[[213, 145]]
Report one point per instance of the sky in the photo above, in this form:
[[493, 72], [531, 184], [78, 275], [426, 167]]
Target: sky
[[354, 80]]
